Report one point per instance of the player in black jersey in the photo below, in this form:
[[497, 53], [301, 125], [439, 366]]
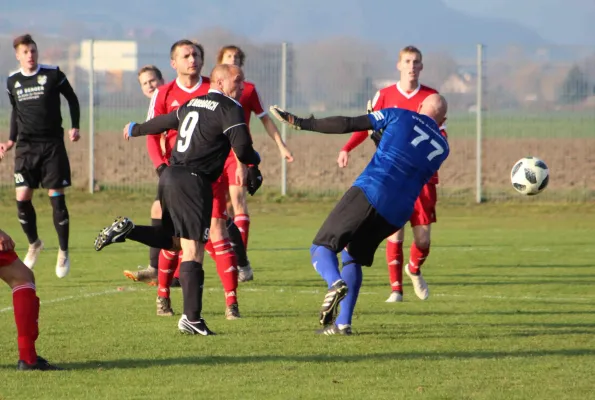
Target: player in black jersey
[[208, 128], [40, 157]]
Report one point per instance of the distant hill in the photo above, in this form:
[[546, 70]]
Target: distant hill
[[389, 23]]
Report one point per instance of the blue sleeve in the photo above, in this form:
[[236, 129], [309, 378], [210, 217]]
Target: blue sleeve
[[380, 119]]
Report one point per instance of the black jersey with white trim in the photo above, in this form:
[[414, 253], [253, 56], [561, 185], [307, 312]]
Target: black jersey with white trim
[[35, 99]]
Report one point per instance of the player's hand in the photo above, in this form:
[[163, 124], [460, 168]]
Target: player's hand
[[127, 129], [343, 159], [241, 174], [286, 153], [369, 108], [6, 242], [286, 117], [254, 179], [74, 135]]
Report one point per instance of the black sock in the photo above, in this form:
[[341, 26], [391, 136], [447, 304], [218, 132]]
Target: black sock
[[28, 220], [152, 236], [192, 279], [61, 222], [154, 251], [237, 244]]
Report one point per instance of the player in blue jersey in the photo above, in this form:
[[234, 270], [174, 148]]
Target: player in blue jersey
[[380, 201]]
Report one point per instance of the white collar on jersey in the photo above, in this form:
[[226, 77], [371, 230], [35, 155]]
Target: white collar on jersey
[[405, 94], [32, 73], [192, 89], [223, 94]]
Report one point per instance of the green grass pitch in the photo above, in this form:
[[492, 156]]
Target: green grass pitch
[[511, 314]]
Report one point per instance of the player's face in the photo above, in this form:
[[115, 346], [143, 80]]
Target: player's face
[[231, 57], [410, 66], [187, 61], [27, 56], [149, 82], [233, 85]]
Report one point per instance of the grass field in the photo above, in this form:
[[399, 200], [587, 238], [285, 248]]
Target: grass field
[[511, 314]]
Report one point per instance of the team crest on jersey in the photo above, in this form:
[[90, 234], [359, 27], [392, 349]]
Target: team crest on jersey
[[42, 79]]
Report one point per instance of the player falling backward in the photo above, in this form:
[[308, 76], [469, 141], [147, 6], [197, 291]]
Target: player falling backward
[[208, 128], [40, 155], [380, 201], [187, 60], [407, 93]]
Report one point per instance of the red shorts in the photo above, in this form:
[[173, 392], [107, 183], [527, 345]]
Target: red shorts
[[229, 170], [219, 201], [7, 258], [424, 211]]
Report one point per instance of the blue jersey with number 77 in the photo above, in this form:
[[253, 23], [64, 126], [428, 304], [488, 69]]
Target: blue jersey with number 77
[[411, 150]]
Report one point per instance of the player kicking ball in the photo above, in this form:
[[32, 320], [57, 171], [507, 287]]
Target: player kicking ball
[[380, 201]]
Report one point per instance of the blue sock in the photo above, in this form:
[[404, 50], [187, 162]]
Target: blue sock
[[352, 275], [325, 262]]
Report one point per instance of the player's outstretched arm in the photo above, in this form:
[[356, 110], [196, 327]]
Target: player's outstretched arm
[[153, 126], [336, 124]]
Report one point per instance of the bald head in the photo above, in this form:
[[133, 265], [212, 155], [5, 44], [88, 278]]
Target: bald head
[[435, 107], [228, 79]]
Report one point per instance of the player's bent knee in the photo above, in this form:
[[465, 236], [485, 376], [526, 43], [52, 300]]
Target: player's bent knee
[[192, 250], [238, 198], [218, 229], [24, 194], [16, 274]]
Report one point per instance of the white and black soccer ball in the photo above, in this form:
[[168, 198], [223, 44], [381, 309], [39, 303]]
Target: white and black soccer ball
[[529, 176]]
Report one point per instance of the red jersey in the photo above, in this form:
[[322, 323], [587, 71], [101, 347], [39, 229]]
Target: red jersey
[[166, 99], [251, 102], [394, 96]]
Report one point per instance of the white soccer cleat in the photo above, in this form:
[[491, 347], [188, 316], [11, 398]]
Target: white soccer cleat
[[419, 284], [245, 274], [63, 264], [395, 297], [33, 253]]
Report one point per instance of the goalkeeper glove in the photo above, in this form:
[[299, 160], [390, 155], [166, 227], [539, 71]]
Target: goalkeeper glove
[[254, 179]]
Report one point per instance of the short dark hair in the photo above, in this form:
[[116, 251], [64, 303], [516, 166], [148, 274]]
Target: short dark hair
[[231, 47], [153, 69], [186, 42], [25, 39]]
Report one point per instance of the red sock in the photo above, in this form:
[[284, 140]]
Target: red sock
[[209, 249], [242, 221], [26, 312], [394, 259], [417, 257], [227, 268], [167, 265]]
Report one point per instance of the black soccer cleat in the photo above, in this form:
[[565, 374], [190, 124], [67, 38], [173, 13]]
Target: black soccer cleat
[[194, 328], [41, 365], [331, 301], [116, 233], [334, 330]]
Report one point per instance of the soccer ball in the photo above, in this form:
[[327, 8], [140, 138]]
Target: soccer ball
[[529, 176]]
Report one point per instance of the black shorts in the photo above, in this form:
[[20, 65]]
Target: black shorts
[[186, 203], [354, 224], [44, 163]]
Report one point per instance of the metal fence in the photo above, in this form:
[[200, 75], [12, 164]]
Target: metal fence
[[504, 104]]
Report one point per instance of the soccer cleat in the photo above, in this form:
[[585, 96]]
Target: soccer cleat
[[116, 233], [33, 253], [333, 329], [419, 284], [194, 328], [232, 312], [164, 307], [245, 274], [331, 301], [395, 297], [41, 365], [146, 275], [63, 264]]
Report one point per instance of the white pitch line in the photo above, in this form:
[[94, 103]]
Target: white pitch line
[[312, 291]]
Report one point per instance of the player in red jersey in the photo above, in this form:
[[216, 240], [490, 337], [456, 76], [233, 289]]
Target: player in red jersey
[[25, 306], [234, 173], [187, 58], [150, 78], [407, 93]]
